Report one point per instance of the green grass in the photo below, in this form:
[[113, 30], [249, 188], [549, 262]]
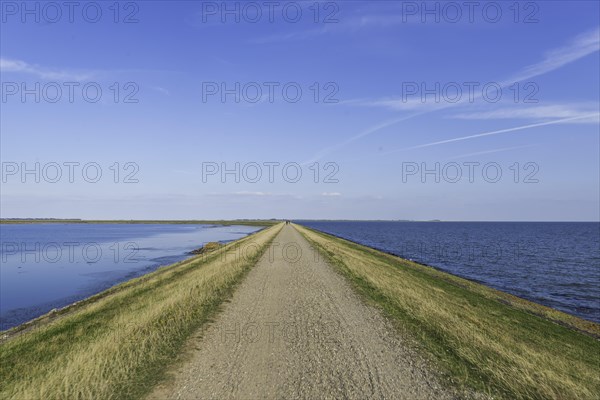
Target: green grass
[[481, 338], [116, 344]]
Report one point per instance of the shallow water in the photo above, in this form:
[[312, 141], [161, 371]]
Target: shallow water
[[46, 266], [553, 263]]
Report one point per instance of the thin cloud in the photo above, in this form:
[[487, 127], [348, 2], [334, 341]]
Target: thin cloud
[[497, 132], [354, 138], [581, 46], [331, 194], [162, 90], [492, 151], [342, 26], [19, 66], [359, 20], [252, 194], [548, 112], [245, 193], [284, 37], [403, 104]]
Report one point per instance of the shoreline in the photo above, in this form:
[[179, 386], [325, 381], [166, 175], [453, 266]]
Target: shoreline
[[482, 338], [568, 320], [116, 344], [595, 333], [54, 313], [585, 326]]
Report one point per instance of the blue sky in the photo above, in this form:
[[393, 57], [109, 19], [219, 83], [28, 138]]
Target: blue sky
[[389, 75]]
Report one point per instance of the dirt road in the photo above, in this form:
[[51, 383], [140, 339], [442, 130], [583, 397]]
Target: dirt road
[[295, 329]]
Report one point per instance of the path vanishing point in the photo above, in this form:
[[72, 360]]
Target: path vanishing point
[[296, 329]]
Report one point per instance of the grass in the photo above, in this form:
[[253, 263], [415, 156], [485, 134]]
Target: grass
[[482, 338], [116, 344], [249, 222], [207, 248]]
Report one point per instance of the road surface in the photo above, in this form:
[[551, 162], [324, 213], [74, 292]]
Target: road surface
[[295, 329]]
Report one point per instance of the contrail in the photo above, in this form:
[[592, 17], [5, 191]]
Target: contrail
[[517, 128], [581, 46]]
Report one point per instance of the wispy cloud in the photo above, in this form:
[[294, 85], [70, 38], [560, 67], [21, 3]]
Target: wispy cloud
[[382, 15], [162, 90], [255, 194], [579, 47], [347, 24], [19, 66], [586, 112], [331, 194], [492, 151], [322, 153], [246, 193], [399, 104], [497, 132], [296, 35]]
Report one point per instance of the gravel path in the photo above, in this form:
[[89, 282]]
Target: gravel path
[[295, 329]]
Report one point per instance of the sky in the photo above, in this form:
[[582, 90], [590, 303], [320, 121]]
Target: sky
[[301, 110]]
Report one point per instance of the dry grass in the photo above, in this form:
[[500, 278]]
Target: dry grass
[[482, 338], [117, 344]]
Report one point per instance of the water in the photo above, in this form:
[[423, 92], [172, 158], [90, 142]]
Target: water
[[46, 266], [555, 264]]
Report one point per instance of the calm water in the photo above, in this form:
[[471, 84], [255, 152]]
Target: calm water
[[555, 264], [46, 266]]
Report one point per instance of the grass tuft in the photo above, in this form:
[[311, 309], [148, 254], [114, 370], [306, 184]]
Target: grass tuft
[[482, 338], [116, 344]]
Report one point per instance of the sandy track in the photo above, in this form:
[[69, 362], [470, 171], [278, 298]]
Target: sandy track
[[295, 329]]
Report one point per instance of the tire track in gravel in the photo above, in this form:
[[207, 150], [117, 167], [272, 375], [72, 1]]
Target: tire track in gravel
[[295, 329]]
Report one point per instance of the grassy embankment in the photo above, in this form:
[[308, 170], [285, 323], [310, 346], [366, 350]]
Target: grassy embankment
[[250, 222], [116, 344], [482, 338]]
